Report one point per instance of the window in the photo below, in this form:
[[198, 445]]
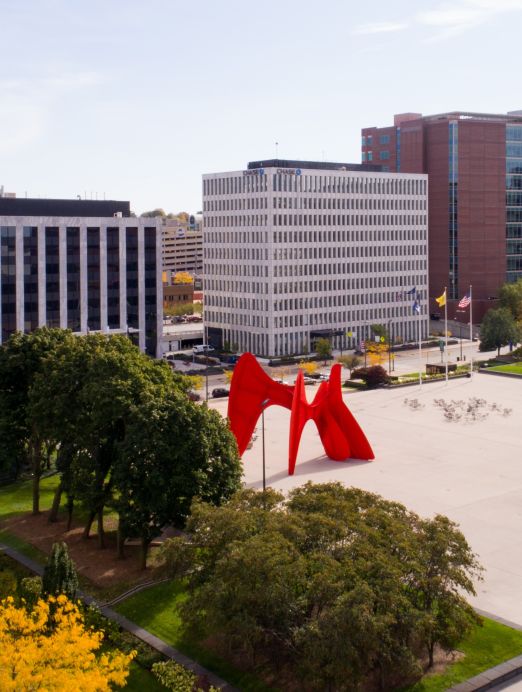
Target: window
[[384, 155], [370, 156], [384, 139]]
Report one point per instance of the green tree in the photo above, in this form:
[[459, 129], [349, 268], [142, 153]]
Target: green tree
[[323, 348], [510, 297], [498, 329], [94, 383], [381, 331], [350, 362], [22, 358], [153, 213], [333, 583], [173, 451], [59, 576], [173, 676]]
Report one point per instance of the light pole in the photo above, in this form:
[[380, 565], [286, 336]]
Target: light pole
[[263, 406]]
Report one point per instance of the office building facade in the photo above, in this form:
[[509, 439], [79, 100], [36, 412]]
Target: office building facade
[[474, 164], [295, 251], [183, 246], [81, 272]]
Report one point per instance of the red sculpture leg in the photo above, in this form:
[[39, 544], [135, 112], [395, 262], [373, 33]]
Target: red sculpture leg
[[252, 391], [250, 387]]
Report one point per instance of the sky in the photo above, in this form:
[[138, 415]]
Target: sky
[[136, 99]]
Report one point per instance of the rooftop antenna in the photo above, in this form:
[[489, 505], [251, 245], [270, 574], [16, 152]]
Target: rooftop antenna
[[276, 149]]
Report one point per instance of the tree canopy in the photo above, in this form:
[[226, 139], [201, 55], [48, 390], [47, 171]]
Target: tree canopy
[[122, 430], [498, 329], [333, 584], [510, 297]]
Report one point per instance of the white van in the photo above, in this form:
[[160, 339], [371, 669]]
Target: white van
[[202, 348]]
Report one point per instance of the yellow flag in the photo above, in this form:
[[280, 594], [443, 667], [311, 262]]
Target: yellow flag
[[441, 300]]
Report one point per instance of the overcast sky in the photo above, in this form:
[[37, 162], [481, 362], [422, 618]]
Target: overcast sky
[[135, 100]]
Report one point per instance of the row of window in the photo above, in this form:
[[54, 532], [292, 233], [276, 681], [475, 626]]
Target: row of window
[[289, 181], [349, 203], [316, 220], [384, 155], [337, 236], [342, 283]]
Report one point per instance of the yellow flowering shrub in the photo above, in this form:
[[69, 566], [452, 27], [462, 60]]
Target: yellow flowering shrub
[[49, 648]]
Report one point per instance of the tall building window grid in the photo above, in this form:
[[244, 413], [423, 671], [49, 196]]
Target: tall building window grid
[[52, 277], [30, 239], [150, 287], [72, 245], [236, 240], [513, 202], [113, 277], [8, 280], [132, 278], [453, 287]]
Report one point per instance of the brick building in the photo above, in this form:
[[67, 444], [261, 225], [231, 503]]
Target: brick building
[[474, 164]]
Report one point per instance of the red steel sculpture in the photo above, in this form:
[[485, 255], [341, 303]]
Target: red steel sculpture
[[252, 390]]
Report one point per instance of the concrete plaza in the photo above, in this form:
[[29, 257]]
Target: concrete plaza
[[469, 471]]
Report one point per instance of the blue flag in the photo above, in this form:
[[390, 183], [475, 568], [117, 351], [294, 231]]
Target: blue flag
[[412, 292], [416, 308]]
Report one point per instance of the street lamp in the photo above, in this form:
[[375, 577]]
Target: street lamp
[[264, 404]]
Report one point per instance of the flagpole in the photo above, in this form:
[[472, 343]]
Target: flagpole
[[420, 346], [471, 330], [446, 327]]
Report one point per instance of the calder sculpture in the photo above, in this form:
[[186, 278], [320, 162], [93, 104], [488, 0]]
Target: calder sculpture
[[252, 390]]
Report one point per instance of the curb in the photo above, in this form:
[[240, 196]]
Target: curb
[[486, 371], [492, 677], [132, 627]]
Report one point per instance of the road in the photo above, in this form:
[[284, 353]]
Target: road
[[402, 362]]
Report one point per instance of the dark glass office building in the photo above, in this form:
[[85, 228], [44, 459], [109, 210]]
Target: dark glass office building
[[82, 265]]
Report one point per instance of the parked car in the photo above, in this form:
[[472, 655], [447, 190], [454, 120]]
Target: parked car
[[219, 392], [203, 348]]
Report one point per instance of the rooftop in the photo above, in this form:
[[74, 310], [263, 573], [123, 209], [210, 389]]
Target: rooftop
[[315, 165], [28, 206]]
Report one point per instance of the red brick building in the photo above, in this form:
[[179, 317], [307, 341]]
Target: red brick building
[[474, 163]]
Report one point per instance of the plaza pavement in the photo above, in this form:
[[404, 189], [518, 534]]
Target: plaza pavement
[[471, 472]]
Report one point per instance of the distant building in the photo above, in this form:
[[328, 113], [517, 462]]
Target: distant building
[[474, 163], [177, 294], [298, 250], [80, 264], [182, 248]]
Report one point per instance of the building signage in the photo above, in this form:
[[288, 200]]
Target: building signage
[[254, 171], [289, 171]]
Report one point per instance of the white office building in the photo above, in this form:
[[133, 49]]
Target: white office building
[[297, 250], [79, 271]]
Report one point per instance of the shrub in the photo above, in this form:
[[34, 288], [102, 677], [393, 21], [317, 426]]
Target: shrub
[[375, 376], [59, 573], [31, 590], [8, 583], [359, 374]]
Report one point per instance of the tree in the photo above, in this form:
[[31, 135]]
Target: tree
[[59, 575], [498, 329], [323, 348], [154, 213], [93, 383], [22, 358], [173, 451], [334, 584], [50, 647], [510, 297], [381, 331], [308, 367], [183, 278], [350, 362]]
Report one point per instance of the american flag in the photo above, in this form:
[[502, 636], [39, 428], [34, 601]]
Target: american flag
[[464, 302]]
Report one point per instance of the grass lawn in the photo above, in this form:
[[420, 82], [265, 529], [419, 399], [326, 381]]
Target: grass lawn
[[486, 647], [155, 610], [514, 368], [140, 680], [17, 498]]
